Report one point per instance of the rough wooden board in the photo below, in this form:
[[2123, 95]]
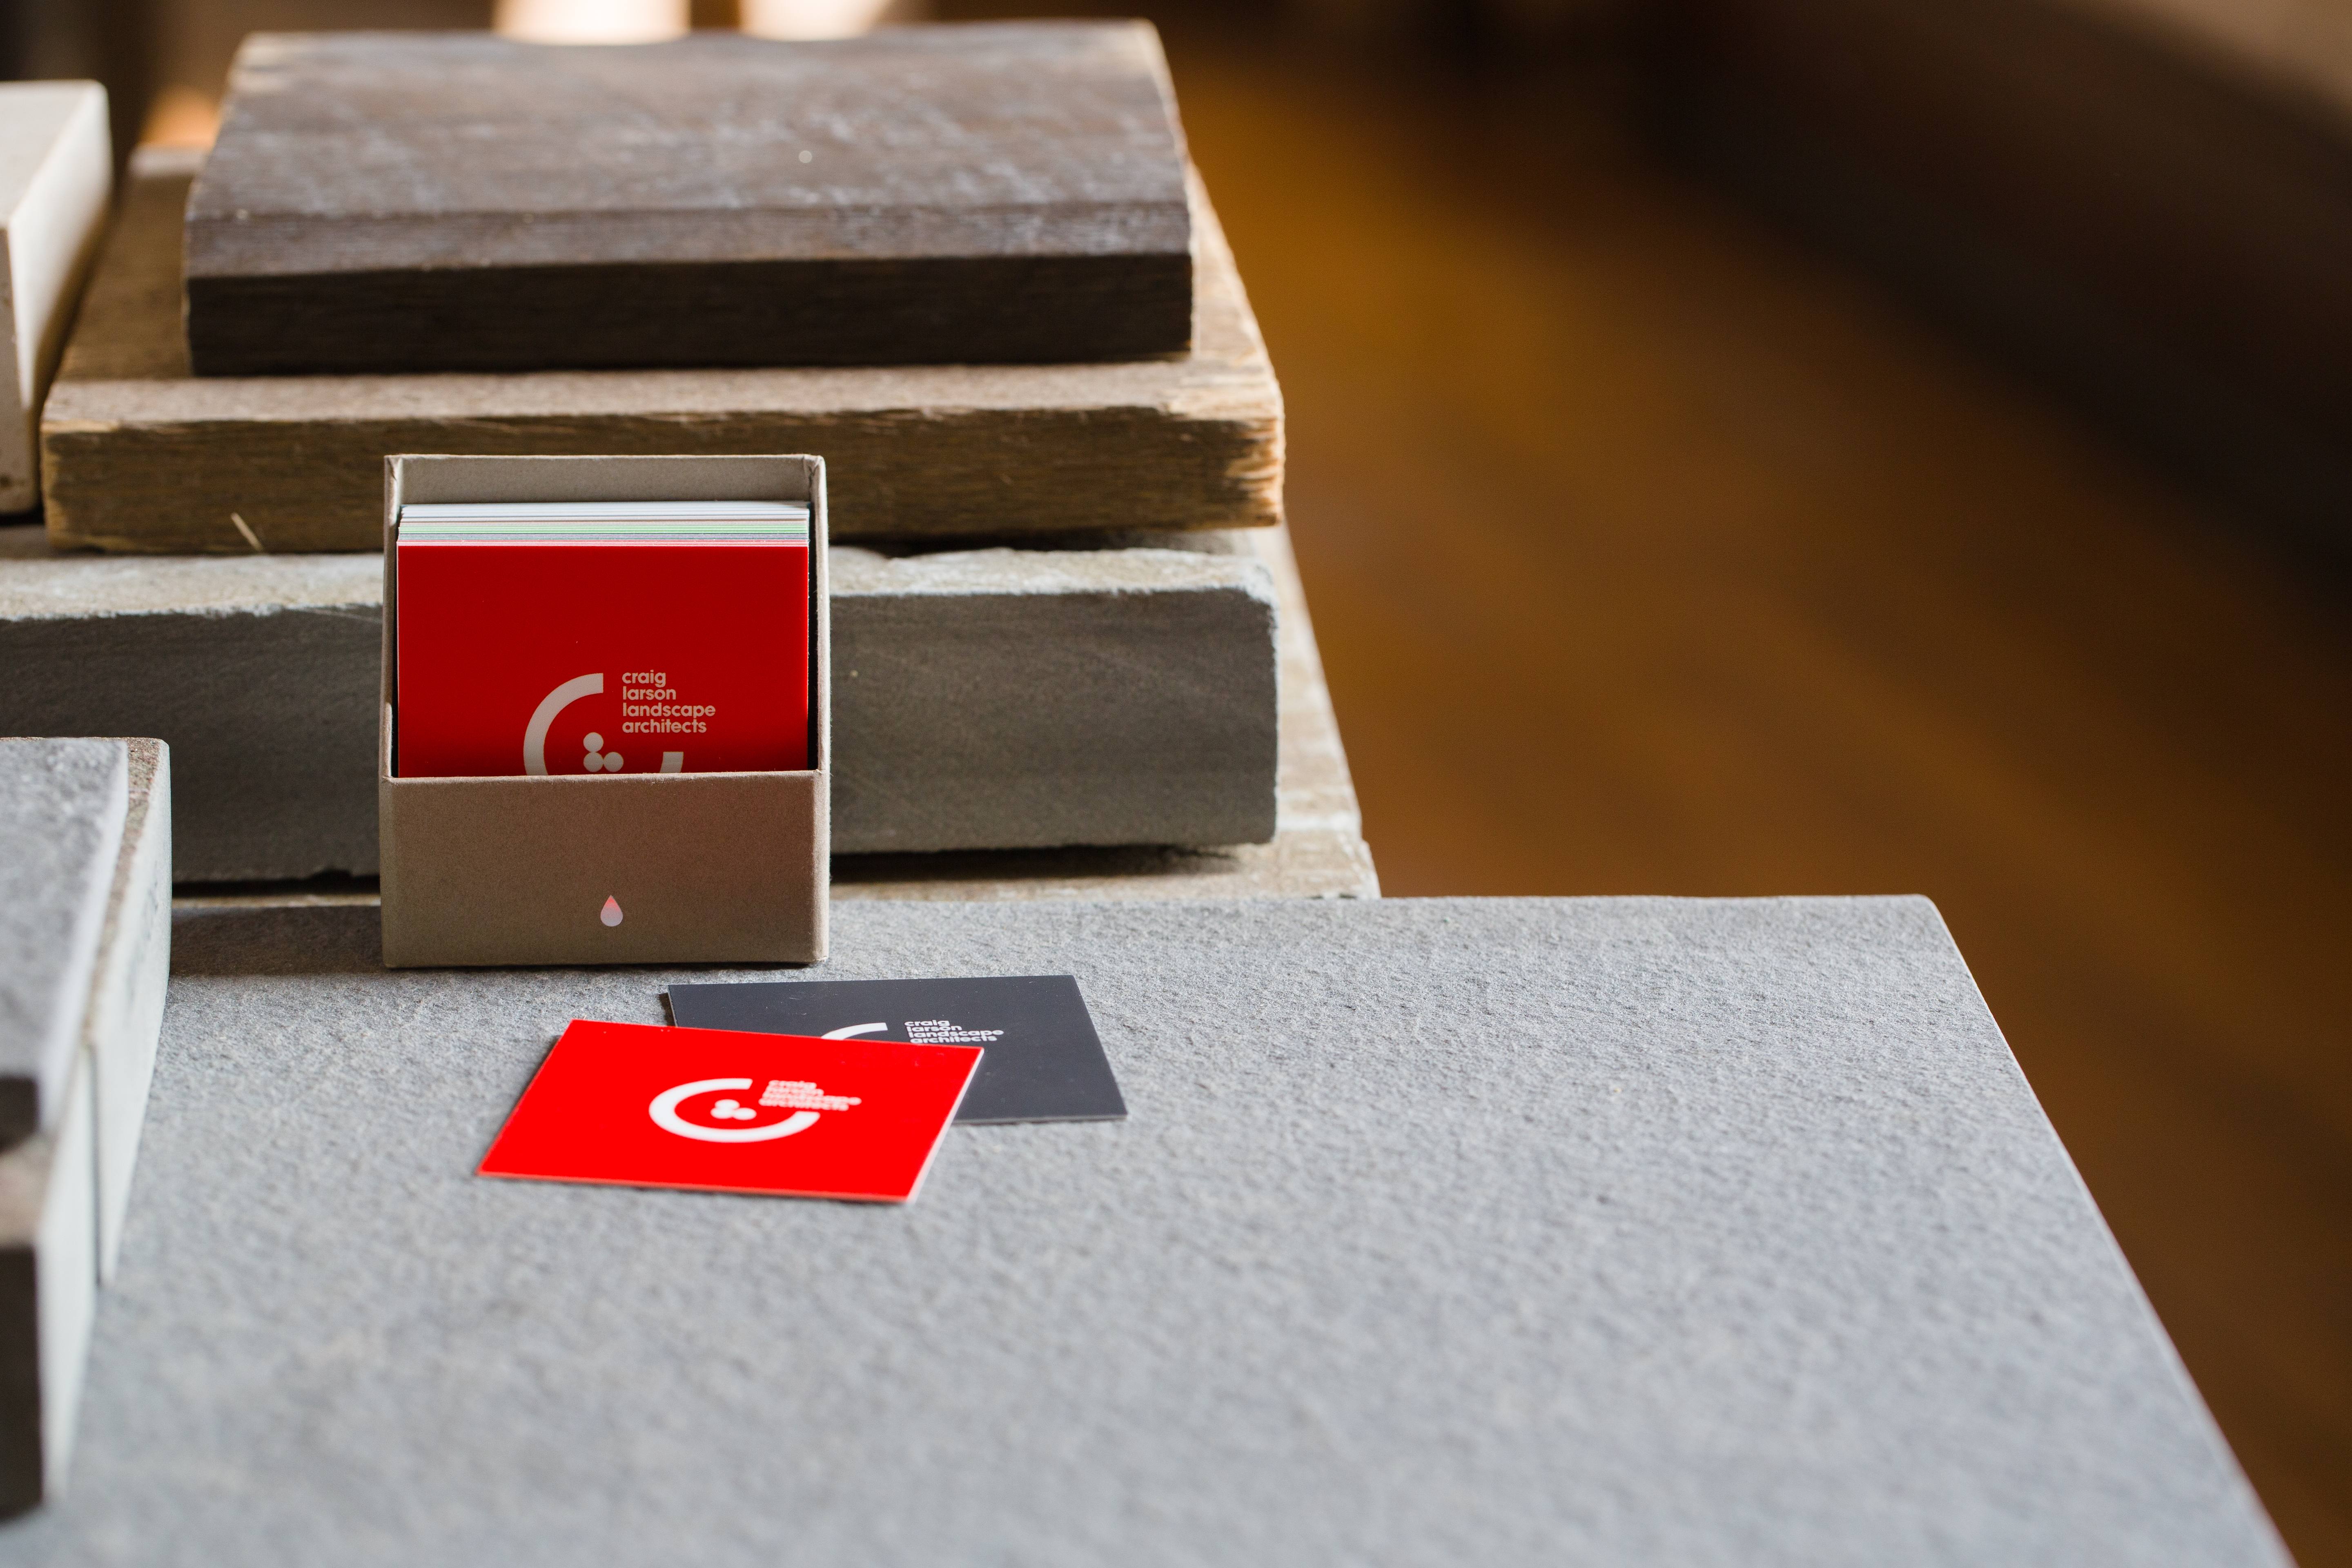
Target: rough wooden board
[[62, 805], [138, 454], [417, 201]]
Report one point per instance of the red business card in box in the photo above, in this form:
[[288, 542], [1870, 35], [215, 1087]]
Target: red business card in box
[[598, 658], [641, 1106]]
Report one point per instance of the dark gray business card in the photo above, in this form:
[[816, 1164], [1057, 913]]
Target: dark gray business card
[[1042, 1061]]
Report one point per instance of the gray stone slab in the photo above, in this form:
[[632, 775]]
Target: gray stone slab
[[1441, 1232], [62, 805], [1019, 699], [1318, 850], [128, 985], [1001, 699], [259, 672]]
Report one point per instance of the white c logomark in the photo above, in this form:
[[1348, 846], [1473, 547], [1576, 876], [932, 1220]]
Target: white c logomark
[[664, 1110], [535, 735]]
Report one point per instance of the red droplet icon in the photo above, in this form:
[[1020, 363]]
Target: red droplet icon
[[612, 911]]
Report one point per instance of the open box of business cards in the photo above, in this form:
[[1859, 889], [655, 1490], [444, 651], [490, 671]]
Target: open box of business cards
[[666, 801]]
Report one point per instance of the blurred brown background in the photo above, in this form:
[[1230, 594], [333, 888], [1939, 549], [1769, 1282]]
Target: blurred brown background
[[1746, 446]]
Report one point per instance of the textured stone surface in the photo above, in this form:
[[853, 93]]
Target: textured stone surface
[[259, 672], [1317, 852], [62, 805], [1053, 696], [1441, 1232], [127, 991]]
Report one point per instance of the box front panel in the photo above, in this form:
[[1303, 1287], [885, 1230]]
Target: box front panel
[[680, 869]]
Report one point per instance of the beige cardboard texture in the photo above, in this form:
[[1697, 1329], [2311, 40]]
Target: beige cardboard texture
[[705, 867]]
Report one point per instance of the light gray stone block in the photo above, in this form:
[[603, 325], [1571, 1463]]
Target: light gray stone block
[[48, 1285], [1495, 1232], [87, 824], [1019, 699], [62, 805], [1000, 699], [1317, 852], [128, 986]]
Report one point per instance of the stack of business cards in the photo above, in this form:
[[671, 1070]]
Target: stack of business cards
[[814, 1088], [601, 638]]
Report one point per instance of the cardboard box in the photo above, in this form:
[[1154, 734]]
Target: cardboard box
[[706, 868]]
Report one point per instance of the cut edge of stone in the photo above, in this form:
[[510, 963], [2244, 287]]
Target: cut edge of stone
[[1010, 570], [123, 1026]]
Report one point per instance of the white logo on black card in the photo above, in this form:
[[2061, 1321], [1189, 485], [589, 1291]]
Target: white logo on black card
[[924, 1032], [805, 1101], [948, 1032]]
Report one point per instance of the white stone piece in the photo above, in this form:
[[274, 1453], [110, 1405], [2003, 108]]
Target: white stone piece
[[48, 1289], [56, 175], [1000, 698], [126, 1001], [62, 807]]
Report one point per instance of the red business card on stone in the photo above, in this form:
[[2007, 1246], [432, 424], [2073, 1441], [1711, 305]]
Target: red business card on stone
[[647, 1107]]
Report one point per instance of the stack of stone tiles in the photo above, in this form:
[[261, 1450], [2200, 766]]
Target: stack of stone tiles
[[85, 949], [1059, 587]]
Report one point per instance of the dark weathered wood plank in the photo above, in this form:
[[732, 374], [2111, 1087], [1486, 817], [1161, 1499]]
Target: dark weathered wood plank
[[390, 202], [138, 455]]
